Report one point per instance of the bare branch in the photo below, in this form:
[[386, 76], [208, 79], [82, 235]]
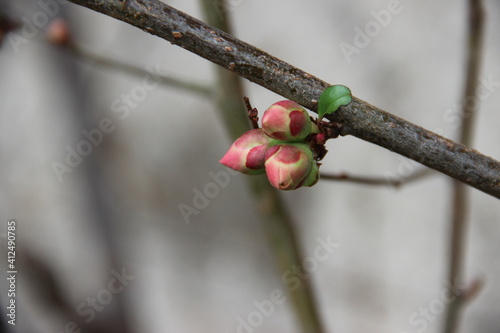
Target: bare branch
[[375, 181], [364, 180], [116, 64], [359, 118]]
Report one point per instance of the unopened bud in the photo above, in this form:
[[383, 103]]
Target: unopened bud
[[247, 153], [286, 121], [288, 166]]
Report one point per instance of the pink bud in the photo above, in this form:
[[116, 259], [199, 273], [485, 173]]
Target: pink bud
[[247, 153], [287, 121], [320, 139], [289, 165], [58, 32]]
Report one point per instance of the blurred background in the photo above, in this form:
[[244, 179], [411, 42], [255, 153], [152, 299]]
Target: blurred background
[[103, 237]]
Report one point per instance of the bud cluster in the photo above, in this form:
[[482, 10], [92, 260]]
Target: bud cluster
[[281, 148]]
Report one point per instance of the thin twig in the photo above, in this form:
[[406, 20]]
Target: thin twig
[[121, 66], [252, 113], [359, 118], [364, 180], [276, 221], [417, 175], [460, 200], [375, 181]]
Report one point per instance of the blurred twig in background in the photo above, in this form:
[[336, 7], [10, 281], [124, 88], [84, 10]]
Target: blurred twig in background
[[376, 181], [118, 65], [460, 202], [98, 193]]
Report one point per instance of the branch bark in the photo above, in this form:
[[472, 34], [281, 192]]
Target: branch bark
[[359, 118]]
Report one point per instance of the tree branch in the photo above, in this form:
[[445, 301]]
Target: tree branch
[[359, 118]]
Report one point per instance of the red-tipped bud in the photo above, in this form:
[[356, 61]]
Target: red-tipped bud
[[286, 121], [288, 166], [247, 154], [58, 32], [320, 139]]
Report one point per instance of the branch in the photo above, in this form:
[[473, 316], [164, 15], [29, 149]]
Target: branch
[[359, 118], [375, 181], [81, 53]]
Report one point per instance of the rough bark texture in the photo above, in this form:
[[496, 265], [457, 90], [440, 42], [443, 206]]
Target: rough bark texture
[[359, 118]]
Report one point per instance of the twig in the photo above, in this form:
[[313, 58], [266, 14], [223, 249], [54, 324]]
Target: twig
[[116, 64], [276, 222], [376, 181], [253, 114], [460, 200], [359, 118], [364, 180]]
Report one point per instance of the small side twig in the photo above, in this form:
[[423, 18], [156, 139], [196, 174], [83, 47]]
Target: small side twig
[[376, 181], [364, 180], [121, 66], [253, 114]]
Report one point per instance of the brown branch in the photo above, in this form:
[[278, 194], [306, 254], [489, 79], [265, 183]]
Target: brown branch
[[460, 200], [359, 118]]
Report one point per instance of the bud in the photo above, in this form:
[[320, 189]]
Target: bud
[[320, 138], [288, 166], [247, 154], [58, 32], [286, 121]]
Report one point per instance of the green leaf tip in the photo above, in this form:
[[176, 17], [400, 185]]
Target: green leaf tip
[[332, 98]]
